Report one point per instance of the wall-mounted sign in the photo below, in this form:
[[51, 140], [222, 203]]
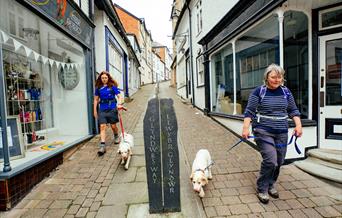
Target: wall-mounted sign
[[67, 16], [68, 77]]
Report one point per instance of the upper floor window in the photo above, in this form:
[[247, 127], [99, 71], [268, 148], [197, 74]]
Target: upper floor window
[[199, 22]]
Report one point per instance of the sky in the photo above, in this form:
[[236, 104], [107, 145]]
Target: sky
[[156, 14]]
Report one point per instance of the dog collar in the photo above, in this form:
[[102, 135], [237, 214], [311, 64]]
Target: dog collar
[[199, 170]]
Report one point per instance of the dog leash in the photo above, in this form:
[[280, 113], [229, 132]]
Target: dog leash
[[295, 143], [120, 120], [206, 168], [241, 140]]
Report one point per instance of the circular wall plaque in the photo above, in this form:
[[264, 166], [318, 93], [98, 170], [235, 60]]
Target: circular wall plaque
[[69, 78]]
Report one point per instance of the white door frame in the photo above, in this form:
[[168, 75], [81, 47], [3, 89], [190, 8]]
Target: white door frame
[[330, 116]]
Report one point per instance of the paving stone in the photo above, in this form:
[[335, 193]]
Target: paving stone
[[256, 208], [108, 211], [328, 211], [55, 213], [229, 192], [82, 212], [269, 215], [88, 202], [301, 193], [281, 205], [95, 206], [284, 195], [211, 202], [91, 214], [239, 209], [297, 213], [92, 193], [210, 211], [222, 210], [310, 212], [79, 200], [321, 201], [125, 176], [246, 190], [73, 209], [60, 204], [294, 203], [251, 198], [231, 200], [270, 207], [306, 202], [34, 213], [118, 193]]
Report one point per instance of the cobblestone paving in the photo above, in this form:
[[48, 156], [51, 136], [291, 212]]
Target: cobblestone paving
[[78, 187]]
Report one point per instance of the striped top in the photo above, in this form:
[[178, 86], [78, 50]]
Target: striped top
[[275, 103]]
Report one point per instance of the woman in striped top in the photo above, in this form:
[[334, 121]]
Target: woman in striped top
[[268, 109]]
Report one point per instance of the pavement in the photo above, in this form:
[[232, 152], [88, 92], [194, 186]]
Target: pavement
[[86, 185]]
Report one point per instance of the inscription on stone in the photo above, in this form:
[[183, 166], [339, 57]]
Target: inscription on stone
[[161, 154], [153, 156], [170, 156]]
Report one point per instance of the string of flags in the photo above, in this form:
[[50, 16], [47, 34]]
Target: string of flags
[[5, 38]]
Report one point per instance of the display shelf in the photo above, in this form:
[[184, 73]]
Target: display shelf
[[24, 83]]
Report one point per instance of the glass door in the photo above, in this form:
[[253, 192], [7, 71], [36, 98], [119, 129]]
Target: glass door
[[331, 91]]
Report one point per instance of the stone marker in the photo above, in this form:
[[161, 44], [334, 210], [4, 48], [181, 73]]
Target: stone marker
[[170, 157], [152, 153], [161, 150]]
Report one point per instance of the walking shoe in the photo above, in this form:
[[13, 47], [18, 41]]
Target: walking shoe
[[116, 139], [263, 197], [273, 193], [101, 151]]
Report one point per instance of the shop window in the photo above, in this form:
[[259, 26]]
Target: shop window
[[296, 58], [223, 81], [255, 50], [200, 71], [45, 80]]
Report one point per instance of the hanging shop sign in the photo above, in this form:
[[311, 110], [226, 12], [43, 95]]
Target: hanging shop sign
[[67, 16]]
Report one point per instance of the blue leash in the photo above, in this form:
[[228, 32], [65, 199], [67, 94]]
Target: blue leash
[[290, 142], [295, 143], [241, 140]]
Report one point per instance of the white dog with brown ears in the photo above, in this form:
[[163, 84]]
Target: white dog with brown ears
[[125, 149], [201, 171]]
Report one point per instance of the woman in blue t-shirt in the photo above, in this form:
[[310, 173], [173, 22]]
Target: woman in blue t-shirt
[[107, 96], [268, 109]]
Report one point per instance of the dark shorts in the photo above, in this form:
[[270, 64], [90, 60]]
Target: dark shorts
[[108, 116]]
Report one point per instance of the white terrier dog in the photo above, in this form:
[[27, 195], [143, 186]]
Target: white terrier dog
[[201, 171], [125, 149]]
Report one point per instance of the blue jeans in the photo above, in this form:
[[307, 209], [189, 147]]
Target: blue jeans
[[273, 150]]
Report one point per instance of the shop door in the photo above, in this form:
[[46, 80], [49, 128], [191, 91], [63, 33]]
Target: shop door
[[331, 91]]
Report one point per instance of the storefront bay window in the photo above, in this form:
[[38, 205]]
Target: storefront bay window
[[223, 81], [296, 58], [45, 80], [255, 50]]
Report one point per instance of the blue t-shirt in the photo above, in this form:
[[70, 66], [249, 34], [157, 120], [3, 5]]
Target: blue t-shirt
[[107, 97]]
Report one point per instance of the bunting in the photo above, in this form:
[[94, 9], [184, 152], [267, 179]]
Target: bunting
[[5, 38]]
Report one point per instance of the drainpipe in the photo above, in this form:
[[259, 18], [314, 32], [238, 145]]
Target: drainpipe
[[191, 60], [3, 125]]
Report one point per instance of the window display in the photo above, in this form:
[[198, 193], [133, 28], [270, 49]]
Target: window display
[[45, 80]]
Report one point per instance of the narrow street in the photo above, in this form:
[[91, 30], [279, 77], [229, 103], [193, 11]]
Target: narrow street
[[86, 185]]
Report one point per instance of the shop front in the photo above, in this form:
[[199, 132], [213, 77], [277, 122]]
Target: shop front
[[305, 39], [45, 54]]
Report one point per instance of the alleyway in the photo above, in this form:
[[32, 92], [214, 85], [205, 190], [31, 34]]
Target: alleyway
[[86, 185]]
